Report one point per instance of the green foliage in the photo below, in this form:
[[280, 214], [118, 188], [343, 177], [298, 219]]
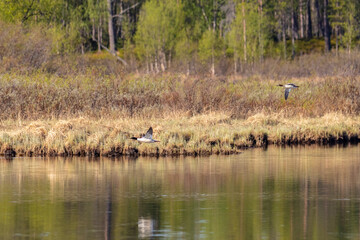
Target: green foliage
[[247, 14], [351, 24], [96, 9], [25, 10], [160, 31], [158, 27], [210, 45], [189, 35]]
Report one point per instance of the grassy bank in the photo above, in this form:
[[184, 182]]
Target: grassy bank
[[213, 133]]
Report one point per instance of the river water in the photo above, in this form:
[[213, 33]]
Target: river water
[[277, 193]]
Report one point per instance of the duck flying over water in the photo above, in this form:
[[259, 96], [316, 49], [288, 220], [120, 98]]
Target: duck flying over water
[[147, 138], [288, 88]]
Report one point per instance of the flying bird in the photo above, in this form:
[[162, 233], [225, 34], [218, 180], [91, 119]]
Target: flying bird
[[288, 88], [147, 138]]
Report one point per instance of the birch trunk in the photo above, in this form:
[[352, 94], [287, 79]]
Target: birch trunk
[[301, 19], [284, 36], [111, 28], [162, 59], [260, 31], [293, 32], [244, 30], [212, 45], [235, 62], [99, 35]]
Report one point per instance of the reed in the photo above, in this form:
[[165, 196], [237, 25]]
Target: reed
[[205, 134]]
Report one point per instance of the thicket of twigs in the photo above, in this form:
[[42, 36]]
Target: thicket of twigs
[[40, 96], [37, 82]]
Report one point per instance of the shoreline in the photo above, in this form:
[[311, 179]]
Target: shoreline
[[200, 135], [10, 152]]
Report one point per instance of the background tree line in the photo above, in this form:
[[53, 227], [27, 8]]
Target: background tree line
[[158, 35]]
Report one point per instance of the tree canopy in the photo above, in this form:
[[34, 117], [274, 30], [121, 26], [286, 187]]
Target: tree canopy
[[158, 33]]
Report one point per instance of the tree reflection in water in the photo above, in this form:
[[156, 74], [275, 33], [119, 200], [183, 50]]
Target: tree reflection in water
[[289, 193]]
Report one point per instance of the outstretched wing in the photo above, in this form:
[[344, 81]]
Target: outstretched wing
[[149, 133], [287, 91]]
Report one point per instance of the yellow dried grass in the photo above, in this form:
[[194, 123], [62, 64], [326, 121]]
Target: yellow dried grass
[[201, 134]]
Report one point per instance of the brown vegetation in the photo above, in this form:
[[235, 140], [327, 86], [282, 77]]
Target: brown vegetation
[[42, 96], [214, 133]]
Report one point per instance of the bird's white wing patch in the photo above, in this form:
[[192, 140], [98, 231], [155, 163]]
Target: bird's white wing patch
[[287, 91]]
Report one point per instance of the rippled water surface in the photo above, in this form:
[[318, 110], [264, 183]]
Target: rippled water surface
[[278, 193]]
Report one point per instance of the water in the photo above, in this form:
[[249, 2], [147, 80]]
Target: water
[[280, 193]]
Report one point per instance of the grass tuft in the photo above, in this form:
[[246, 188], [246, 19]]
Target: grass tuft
[[214, 133]]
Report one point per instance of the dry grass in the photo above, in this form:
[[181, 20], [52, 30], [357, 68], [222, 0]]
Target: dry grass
[[213, 133], [42, 96]]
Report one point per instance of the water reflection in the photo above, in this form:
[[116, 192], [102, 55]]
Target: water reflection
[[146, 227], [280, 193]]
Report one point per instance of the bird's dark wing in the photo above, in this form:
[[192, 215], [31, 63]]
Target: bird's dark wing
[[287, 91], [149, 133]]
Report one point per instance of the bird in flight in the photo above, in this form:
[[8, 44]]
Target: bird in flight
[[147, 138], [288, 88]]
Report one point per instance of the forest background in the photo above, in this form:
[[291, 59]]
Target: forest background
[[215, 36]]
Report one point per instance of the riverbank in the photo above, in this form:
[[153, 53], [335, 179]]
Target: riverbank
[[179, 134]]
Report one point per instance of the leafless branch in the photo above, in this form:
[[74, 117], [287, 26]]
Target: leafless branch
[[27, 13], [125, 10]]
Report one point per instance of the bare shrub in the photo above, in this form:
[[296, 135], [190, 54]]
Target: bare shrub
[[39, 96]]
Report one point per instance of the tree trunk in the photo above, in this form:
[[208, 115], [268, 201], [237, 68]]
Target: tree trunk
[[111, 28], [235, 62], [99, 35], [284, 36], [156, 64], [151, 66], [162, 60], [309, 23], [349, 47], [169, 61], [319, 24], [293, 32], [213, 43], [326, 28], [147, 65], [337, 29], [337, 40], [212, 63], [260, 31], [301, 19], [93, 29], [244, 30]]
